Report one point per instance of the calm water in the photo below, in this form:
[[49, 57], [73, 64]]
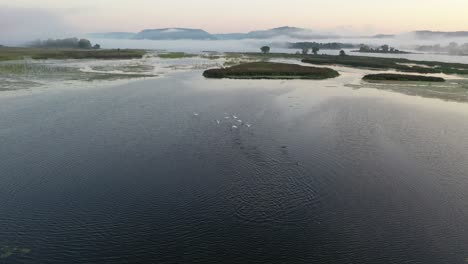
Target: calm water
[[143, 173]]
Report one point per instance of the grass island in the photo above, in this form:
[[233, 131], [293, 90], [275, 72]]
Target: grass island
[[402, 78], [402, 65], [271, 70]]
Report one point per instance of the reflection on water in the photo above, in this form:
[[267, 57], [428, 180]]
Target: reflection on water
[[143, 173]]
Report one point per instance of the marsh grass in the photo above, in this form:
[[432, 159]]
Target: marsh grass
[[9, 53], [271, 70], [402, 65], [176, 55], [401, 77], [136, 68], [453, 90], [29, 74]]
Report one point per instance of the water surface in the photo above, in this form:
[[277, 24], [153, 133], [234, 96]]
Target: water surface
[[142, 172]]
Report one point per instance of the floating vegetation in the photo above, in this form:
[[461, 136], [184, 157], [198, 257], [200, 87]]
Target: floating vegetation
[[16, 84], [125, 68], [29, 74], [29, 69], [176, 55], [212, 57], [453, 90], [8, 251]]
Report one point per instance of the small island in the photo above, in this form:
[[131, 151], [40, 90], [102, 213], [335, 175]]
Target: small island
[[385, 49], [271, 70], [402, 78]]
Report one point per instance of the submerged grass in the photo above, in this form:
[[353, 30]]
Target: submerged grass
[[29, 74], [270, 70], [136, 68], [8, 251], [450, 90], [176, 55]]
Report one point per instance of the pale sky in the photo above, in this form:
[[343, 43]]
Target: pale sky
[[216, 16]]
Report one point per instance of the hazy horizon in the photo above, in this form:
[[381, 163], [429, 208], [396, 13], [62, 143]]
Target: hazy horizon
[[361, 17]]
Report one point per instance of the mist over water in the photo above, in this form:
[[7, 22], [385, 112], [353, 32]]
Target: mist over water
[[252, 45], [279, 46]]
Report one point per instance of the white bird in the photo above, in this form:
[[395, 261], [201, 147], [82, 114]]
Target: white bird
[[226, 117], [235, 117], [195, 114], [235, 127], [248, 125], [240, 121], [219, 122]]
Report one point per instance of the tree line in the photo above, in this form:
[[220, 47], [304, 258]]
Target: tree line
[[67, 43]]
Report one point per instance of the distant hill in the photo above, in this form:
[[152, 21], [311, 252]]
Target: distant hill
[[199, 34], [292, 32], [288, 32], [173, 34]]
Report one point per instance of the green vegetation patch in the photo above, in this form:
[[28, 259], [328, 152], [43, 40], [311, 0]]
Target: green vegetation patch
[[403, 65], [270, 70], [139, 68], [402, 77], [8, 251], [176, 55], [7, 53]]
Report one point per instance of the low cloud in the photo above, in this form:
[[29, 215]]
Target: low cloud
[[21, 25]]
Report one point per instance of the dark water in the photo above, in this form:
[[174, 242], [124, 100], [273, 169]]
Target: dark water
[[129, 174]]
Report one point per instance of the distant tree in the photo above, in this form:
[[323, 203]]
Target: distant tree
[[453, 48], [315, 50], [265, 49], [305, 50], [97, 46], [342, 53], [84, 44], [385, 48], [364, 48]]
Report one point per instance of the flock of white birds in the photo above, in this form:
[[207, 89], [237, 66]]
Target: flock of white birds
[[233, 120]]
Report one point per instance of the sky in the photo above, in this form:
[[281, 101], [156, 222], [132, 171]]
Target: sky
[[219, 16]]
